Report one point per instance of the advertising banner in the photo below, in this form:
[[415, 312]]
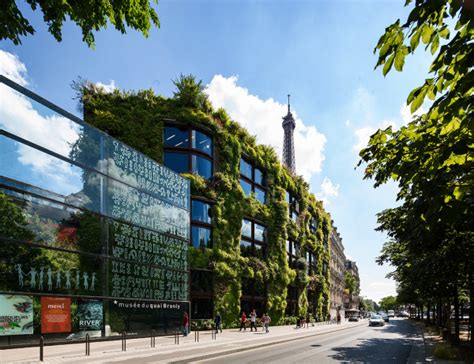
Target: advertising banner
[[55, 315], [91, 314], [16, 315]]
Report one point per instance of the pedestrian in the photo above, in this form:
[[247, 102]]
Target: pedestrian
[[243, 320], [266, 321], [253, 320], [217, 322], [338, 319], [185, 324]]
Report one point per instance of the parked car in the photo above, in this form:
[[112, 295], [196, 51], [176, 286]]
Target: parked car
[[353, 318], [384, 316], [376, 320]]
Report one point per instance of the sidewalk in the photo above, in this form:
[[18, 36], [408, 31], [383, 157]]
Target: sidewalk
[[231, 340]]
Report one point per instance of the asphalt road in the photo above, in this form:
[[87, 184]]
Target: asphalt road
[[363, 344]]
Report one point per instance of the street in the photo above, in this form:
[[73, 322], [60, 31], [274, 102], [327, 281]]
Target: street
[[391, 343]]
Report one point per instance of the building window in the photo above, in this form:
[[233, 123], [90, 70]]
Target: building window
[[252, 180], [188, 150], [293, 206], [325, 240], [253, 241], [201, 228], [311, 263], [313, 224], [293, 252]]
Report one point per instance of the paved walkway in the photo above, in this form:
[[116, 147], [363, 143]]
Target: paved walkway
[[231, 340]]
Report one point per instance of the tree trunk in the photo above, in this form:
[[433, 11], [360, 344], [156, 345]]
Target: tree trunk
[[428, 314], [456, 314]]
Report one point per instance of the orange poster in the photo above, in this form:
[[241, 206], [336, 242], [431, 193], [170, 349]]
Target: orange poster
[[55, 314]]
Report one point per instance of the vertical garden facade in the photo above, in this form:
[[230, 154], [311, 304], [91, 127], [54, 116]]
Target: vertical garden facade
[[94, 235], [259, 238]]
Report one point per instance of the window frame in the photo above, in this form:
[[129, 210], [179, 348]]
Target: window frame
[[199, 223], [252, 180], [189, 150], [254, 241]]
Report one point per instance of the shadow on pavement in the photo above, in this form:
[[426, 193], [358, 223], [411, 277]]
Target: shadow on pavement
[[375, 351]]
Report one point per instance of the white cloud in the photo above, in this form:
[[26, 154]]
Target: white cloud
[[107, 87], [263, 118], [406, 114], [328, 190], [363, 134], [12, 68], [25, 118], [376, 290]]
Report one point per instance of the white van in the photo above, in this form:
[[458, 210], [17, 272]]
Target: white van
[[391, 313]]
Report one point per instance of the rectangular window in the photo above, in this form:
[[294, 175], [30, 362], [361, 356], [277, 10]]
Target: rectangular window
[[202, 166], [247, 228], [260, 195], [245, 169], [246, 186], [177, 162], [259, 232], [176, 137], [245, 248], [259, 177], [202, 142], [201, 237], [200, 211]]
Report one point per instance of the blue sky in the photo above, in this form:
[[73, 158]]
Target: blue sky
[[251, 54]]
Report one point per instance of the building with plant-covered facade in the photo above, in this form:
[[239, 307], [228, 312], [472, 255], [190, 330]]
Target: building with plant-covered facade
[[259, 238]]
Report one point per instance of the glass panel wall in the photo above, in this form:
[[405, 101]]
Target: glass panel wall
[[252, 181], [88, 222]]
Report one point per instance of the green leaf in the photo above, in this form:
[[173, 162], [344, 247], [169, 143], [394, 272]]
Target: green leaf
[[415, 105], [451, 126], [435, 44], [431, 92], [388, 64], [458, 193], [426, 34], [415, 39], [399, 60], [444, 32]]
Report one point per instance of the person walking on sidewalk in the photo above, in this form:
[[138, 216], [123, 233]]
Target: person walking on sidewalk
[[185, 324], [266, 321], [217, 322], [253, 320], [243, 320]]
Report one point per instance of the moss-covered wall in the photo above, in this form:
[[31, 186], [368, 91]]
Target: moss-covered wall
[[138, 119]]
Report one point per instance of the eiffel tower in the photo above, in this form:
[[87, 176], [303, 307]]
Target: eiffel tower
[[288, 141]]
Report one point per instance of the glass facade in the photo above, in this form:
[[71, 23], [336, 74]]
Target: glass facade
[[252, 181], [188, 150], [253, 240], [89, 222]]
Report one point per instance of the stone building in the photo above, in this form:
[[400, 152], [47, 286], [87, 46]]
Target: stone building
[[337, 267], [351, 301]]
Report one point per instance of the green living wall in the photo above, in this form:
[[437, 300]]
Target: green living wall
[[138, 118]]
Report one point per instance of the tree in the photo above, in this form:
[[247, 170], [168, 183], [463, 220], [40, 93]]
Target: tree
[[388, 303], [431, 243], [190, 93], [88, 15]]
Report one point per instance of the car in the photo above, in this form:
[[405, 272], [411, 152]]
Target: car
[[403, 314], [384, 316], [376, 320], [353, 318]]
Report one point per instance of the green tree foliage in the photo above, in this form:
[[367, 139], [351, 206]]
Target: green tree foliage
[[90, 16], [190, 93], [368, 305], [350, 283], [388, 303], [431, 242]]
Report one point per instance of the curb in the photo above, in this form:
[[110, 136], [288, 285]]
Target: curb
[[256, 346]]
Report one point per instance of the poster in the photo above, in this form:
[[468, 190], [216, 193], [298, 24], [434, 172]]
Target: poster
[[91, 314], [16, 315], [55, 315]]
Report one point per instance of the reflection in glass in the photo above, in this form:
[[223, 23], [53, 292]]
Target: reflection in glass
[[260, 195], [288, 246], [178, 162], [202, 166], [200, 211], [176, 137], [246, 228], [247, 187], [201, 281], [296, 249], [245, 169], [202, 142], [201, 237], [259, 251], [245, 248], [63, 181], [259, 177], [259, 232]]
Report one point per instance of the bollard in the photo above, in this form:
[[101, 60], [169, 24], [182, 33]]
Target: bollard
[[196, 335], [41, 347], [176, 337], [124, 341], [88, 345], [152, 338]]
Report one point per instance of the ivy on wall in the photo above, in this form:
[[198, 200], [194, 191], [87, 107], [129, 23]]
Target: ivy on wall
[[138, 119]]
